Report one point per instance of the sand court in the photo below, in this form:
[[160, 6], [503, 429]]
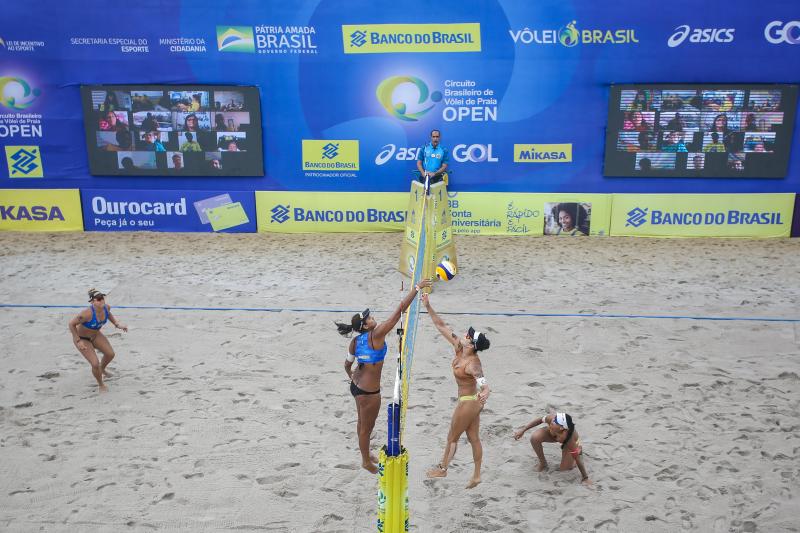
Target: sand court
[[229, 408]]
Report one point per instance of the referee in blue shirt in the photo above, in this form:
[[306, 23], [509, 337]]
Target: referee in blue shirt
[[432, 159]]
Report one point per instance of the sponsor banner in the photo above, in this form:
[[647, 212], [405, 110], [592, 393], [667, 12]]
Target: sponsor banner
[[573, 34], [695, 35], [183, 44], [17, 121], [413, 229], [702, 215], [127, 45], [409, 98], [20, 45], [439, 236], [443, 247], [393, 38], [542, 153], [267, 39], [330, 155], [323, 212], [187, 211], [469, 214], [782, 32], [569, 214], [40, 210], [487, 74]]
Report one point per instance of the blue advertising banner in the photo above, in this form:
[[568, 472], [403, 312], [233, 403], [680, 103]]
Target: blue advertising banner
[[350, 91], [188, 211]]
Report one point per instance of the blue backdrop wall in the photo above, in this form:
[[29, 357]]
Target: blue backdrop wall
[[536, 84]]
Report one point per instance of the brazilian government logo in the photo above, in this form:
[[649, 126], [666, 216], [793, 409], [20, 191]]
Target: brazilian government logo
[[235, 39], [330, 155], [24, 162], [406, 97], [16, 93]]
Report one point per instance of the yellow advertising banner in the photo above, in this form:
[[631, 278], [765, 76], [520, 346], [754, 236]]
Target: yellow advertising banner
[[398, 38], [543, 153], [702, 215], [441, 229], [439, 238], [40, 210], [330, 212], [472, 213], [413, 229], [567, 214]]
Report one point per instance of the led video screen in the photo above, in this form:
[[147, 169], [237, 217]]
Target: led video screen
[[700, 130], [169, 130]]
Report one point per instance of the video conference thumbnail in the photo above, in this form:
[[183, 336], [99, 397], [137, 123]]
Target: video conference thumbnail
[[705, 130], [170, 130]]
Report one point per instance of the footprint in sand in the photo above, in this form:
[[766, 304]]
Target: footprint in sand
[[269, 480], [166, 497]]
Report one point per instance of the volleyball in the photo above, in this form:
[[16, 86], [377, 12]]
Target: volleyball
[[445, 271]]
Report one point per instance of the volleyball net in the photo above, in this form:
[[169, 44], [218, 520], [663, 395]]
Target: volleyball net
[[426, 240]]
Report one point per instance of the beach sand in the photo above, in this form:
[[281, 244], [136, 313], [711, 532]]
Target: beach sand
[[221, 420]]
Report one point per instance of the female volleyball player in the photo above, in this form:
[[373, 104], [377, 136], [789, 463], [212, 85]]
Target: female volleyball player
[[86, 335], [368, 348], [560, 428], [473, 391]]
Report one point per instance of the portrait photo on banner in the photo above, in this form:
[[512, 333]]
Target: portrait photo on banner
[[567, 218]]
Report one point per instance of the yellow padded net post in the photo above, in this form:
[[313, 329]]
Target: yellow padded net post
[[393, 493]]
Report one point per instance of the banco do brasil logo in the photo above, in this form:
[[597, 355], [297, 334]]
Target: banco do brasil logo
[[280, 214], [330, 155], [399, 94], [16, 93], [358, 38], [330, 151], [636, 217], [24, 162], [235, 39]]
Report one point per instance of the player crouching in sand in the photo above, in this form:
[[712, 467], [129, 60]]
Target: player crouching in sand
[[560, 428]]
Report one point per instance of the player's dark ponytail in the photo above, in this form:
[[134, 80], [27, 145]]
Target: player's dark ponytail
[[570, 430], [356, 324]]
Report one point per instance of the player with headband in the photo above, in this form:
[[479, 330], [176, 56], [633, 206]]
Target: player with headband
[[473, 391], [560, 428]]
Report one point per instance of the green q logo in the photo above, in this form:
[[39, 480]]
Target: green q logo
[[389, 87], [568, 35], [15, 93]]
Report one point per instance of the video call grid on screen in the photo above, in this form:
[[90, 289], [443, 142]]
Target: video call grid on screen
[[700, 130], [169, 130]]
